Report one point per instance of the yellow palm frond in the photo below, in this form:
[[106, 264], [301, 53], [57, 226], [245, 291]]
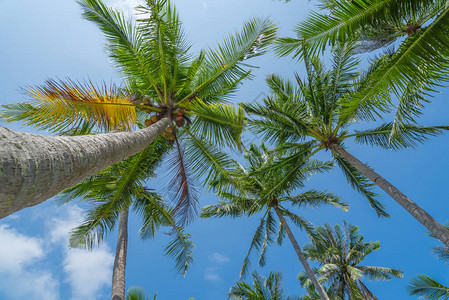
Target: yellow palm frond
[[62, 103]]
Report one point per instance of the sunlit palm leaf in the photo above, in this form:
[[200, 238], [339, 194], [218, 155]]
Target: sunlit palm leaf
[[59, 105], [221, 124], [224, 66]]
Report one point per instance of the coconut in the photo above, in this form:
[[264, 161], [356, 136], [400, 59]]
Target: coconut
[[148, 122], [180, 121]]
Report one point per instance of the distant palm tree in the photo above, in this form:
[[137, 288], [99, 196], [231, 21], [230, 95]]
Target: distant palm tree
[[310, 114], [137, 293], [340, 253], [248, 191], [112, 193], [427, 287], [261, 289], [162, 81]]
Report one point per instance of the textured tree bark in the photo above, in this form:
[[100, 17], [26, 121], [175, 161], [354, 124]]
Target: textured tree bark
[[301, 256], [118, 274], [438, 230], [34, 167]]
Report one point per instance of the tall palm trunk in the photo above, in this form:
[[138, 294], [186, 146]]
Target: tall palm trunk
[[301, 256], [438, 230], [118, 275], [34, 167]]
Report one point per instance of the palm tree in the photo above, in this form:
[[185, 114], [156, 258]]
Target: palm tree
[[162, 81], [262, 288], [137, 293], [36, 167], [419, 65], [427, 287], [309, 113], [112, 192], [267, 193], [340, 252]]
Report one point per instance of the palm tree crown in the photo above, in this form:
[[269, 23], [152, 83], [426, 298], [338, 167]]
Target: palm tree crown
[[269, 288], [162, 80], [340, 252], [314, 114]]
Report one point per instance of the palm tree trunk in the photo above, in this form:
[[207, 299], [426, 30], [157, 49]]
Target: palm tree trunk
[[438, 230], [118, 275], [34, 167], [301, 256]]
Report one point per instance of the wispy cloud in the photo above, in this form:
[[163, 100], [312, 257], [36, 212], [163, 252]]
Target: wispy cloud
[[126, 6], [212, 274], [218, 258]]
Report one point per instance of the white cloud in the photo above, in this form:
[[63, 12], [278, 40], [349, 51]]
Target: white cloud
[[87, 271], [23, 261], [126, 6], [17, 250], [18, 278], [218, 258], [211, 274]]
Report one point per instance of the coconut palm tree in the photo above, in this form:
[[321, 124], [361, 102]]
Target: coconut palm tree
[[309, 113], [37, 167], [162, 81], [268, 194], [112, 193], [269, 288], [137, 293], [340, 252], [420, 64]]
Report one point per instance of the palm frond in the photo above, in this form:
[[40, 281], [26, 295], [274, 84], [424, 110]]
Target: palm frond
[[59, 106], [180, 249], [270, 232], [408, 136], [420, 62], [224, 66], [424, 286], [206, 159], [361, 184], [314, 198], [181, 187], [380, 273], [256, 243], [125, 45], [218, 123]]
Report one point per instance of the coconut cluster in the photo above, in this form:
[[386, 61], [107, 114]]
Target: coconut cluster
[[178, 116]]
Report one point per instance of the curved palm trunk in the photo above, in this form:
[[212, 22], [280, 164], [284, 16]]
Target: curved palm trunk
[[118, 275], [438, 230], [34, 167], [301, 256]]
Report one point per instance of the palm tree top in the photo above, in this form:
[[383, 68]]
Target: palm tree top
[[162, 79], [340, 253], [247, 191], [319, 112], [262, 288]]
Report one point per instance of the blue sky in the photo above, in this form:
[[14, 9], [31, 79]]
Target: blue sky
[[49, 39]]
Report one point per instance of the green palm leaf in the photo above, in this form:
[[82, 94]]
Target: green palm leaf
[[428, 288]]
